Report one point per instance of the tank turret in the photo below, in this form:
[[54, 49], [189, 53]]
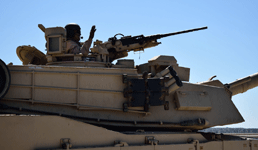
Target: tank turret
[[155, 95], [61, 100]]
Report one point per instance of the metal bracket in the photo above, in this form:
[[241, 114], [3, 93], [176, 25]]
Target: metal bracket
[[216, 137], [166, 105], [65, 143], [253, 144], [125, 107], [144, 92], [151, 140], [196, 145], [125, 78]]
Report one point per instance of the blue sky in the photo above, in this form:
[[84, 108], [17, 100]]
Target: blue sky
[[228, 48]]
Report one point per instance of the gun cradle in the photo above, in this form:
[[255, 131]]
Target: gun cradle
[[119, 47], [118, 50]]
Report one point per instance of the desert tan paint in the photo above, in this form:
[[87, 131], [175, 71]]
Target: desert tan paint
[[97, 92], [91, 89], [96, 88]]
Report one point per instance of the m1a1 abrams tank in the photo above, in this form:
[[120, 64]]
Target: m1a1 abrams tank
[[71, 101]]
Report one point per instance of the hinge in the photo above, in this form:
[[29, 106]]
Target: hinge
[[65, 143], [197, 145], [151, 140], [216, 137]]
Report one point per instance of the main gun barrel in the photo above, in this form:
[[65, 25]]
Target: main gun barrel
[[243, 84]]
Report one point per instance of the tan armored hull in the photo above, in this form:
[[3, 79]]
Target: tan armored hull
[[56, 133]]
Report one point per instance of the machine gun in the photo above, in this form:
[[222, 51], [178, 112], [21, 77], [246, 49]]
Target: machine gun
[[117, 48]]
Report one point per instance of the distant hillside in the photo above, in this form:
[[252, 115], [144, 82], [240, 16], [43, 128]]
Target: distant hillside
[[231, 130]]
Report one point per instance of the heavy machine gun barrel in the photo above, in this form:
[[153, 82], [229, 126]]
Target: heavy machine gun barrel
[[119, 48], [158, 36], [141, 39]]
